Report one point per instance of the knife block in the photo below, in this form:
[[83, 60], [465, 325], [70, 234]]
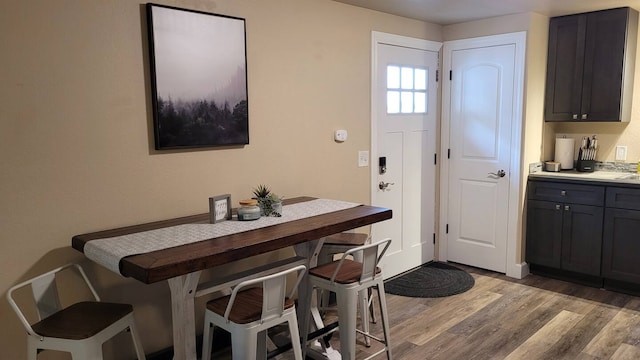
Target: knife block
[[586, 165]]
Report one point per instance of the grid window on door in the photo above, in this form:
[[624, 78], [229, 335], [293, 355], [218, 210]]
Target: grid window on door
[[406, 90]]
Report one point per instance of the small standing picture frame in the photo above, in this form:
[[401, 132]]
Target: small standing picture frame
[[220, 208]]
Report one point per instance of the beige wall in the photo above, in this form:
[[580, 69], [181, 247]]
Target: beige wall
[[76, 142]]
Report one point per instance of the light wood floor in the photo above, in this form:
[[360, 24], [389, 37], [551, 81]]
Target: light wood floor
[[504, 318]]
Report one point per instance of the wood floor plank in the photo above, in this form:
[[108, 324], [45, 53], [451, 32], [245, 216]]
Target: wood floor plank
[[612, 335], [626, 352], [420, 329], [576, 339], [548, 335], [495, 340]]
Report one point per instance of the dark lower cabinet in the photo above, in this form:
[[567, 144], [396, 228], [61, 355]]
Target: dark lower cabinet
[[582, 239], [544, 233], [621, 245], [564, 236], [585, 233]]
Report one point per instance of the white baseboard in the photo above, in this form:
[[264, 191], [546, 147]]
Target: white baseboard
[[518, 271]]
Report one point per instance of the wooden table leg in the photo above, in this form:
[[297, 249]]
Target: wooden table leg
[[183, 290]]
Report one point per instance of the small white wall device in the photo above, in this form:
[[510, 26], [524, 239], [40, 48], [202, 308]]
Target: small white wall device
[[340, 135]]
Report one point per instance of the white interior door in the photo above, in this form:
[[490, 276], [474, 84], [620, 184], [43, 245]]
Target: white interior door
[[404, 115], [483, 96]]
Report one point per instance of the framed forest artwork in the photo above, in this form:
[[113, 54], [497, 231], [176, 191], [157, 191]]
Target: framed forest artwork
[[198, 68]]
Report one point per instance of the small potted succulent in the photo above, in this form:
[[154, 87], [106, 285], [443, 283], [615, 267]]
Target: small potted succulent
[[269, 202]]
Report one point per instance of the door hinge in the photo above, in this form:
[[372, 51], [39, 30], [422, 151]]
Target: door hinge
[[435, 159], [437, 75], [446, 229], [448, 153], [450, 75], [434, 238]]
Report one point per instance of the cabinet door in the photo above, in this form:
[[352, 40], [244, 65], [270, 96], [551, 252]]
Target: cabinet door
[[544, 231], [565, 67], [604, 65], [621, 245], [582, 238]]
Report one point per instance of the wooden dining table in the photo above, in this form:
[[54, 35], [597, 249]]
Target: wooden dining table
[[182, 265]]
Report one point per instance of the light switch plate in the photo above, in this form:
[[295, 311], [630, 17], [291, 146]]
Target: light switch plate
[[621, 153], [363, 158]]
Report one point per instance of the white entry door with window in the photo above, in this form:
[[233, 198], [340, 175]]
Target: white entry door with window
[[482, 115], [403, 141]]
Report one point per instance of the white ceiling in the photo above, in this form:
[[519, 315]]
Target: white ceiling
[[445, 12]]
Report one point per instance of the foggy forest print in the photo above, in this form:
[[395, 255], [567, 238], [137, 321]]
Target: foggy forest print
[[200, 93]]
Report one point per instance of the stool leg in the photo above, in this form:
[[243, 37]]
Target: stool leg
[[347, 312], [87, 352], [262, 345], [364, 314], [32, 349], [371, 306], [295, 336], [243, 345], [385, 317], [207, 339], [133, 330]]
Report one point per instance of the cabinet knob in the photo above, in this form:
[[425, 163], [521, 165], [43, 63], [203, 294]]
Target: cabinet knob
[[563, 193], [567, 208], [557, 207], [584, 116], [575, 116]]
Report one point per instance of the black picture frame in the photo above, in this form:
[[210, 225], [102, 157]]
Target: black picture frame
[[198, 68], [220, 208]]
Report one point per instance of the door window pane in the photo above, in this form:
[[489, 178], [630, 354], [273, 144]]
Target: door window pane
[[407, 78], [393, 77], [406, 102], [420, 102], [421, 79], [393, 102]]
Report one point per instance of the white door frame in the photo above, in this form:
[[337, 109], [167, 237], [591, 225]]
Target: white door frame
[[514, 267], [395, 40]]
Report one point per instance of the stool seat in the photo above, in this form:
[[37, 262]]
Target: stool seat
[[82, 320], [351, 271], [248, 306]]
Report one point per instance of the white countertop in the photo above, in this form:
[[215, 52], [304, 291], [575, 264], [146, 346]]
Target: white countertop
[[608, 176]]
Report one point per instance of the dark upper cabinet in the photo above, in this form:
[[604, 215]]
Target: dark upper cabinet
[[590, 66]]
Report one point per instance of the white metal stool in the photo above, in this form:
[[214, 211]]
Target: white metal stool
[[249, 311], [79, 329], [347, 278], [339, 244]]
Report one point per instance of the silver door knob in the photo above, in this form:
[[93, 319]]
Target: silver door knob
[[383, 185], [500, 173]]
